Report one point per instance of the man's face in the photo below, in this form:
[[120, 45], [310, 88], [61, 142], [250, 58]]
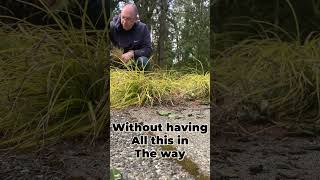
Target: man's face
[[128, 18]]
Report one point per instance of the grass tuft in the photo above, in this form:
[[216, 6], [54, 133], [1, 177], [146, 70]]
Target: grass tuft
[[53, 85], [275, 78], [137, 88]]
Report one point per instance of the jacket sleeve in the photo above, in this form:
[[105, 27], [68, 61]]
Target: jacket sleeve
[[146, 49]]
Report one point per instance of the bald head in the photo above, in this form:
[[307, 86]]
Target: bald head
[[129, 15], [131, 7]]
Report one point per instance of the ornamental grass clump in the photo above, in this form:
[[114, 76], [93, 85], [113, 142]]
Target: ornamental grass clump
[[136, 88], [54, 84], [280, 77]]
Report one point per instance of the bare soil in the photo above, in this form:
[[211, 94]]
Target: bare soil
[[264, 151], [68, 160]]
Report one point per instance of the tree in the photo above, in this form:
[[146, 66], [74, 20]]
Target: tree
[[162, 32]]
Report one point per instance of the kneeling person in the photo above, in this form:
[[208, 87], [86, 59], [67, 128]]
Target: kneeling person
[[131, 35]]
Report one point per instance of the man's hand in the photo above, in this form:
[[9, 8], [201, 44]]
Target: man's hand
[[127, 56]]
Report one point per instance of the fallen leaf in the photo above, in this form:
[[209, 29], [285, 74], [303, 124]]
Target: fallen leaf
[[172, 115], [164, 113]]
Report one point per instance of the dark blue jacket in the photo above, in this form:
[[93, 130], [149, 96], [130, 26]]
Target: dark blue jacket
[[137, 38]]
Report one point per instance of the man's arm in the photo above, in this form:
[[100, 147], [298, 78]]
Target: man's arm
[[146, 49]]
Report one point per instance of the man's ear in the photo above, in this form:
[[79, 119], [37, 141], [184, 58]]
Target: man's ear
[[138, 18]]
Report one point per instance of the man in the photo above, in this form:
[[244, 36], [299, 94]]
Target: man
[[133, 36]]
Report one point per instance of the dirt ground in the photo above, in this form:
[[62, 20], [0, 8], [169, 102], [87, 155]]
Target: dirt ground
[[71, 160], [266, 157], [272, 155]]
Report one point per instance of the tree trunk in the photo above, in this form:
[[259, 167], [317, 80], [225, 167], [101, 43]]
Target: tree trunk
[[162, 32]]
